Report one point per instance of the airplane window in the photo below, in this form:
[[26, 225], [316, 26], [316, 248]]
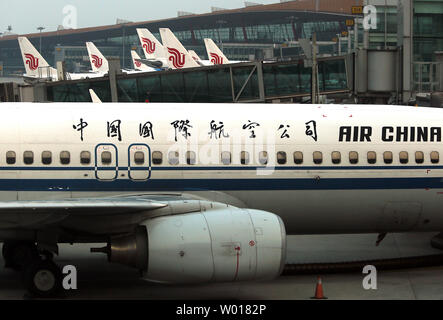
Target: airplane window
[[139, 157], [106, 157], [403, 157], [372, 157], [28, 157], [387, 157], [85, 157], [10, 157], [298, 157], [244, 157], [65, 157], [173, 157], [353, 157], [435, 158], [157, 157], [419, 157], [190, 157], [336, 157], [226, 157], [263, 157], [46, 157], [281, 157], [317, 157]]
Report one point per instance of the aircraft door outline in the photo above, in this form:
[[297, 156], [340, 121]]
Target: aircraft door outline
[[139, 172], [105, 170]]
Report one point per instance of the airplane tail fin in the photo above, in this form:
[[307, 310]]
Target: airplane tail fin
[[137, 64], [135, 60], [194, 55], [215, 55], [196, 58], [98, 61], [35, 64], [94, 96], [152, 48], [178, 57]]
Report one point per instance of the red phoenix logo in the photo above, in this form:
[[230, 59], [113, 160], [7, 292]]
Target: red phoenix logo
[[148, 45], [216, 59], [137, 63], [178, 59], [97, 61], [31, 61]]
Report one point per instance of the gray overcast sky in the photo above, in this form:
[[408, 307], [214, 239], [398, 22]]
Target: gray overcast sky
[[26, 15]]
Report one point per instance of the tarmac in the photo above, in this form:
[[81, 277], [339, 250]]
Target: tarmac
[[98, 279]]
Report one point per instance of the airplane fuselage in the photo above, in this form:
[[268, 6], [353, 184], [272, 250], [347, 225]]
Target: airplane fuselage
[[322, 169]]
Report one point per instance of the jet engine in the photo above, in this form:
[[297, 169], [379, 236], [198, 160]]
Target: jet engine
[[218, 244]]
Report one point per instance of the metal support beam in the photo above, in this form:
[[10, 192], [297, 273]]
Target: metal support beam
[[244, 85], [232, 84], [261, 83], [114, 69], [314, 69]]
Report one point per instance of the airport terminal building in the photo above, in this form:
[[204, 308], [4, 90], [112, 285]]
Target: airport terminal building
[[249, 33], [401, 57]]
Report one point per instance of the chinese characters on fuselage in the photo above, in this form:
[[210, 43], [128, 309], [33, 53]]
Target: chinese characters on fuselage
[[217, 131], [79, 127], [311, 129], [183, 128], [114, 129], [251, 127], [146, 130]]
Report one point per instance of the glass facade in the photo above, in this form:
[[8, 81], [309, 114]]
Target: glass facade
[[428, 29], [385, 36], [211, 84], [428, 39]]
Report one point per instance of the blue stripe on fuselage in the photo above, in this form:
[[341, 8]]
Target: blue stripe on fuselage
[[219, 184], [224, 168]]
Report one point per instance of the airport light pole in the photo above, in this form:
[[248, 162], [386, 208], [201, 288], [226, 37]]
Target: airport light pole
[[41, 29]]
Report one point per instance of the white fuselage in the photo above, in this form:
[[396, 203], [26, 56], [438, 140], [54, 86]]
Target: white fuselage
[[345, 192]]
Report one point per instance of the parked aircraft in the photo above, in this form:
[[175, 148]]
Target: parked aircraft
[[154, 51], [99, 63], [37, 67], [139, 65]]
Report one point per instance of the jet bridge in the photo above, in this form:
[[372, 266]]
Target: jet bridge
[[240, 82]]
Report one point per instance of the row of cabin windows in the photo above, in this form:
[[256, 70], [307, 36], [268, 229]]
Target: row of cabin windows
[[65, 157], [226, 158], [282, 158], [46, 157]]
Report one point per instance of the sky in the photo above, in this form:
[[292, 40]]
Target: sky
[[26, 15]]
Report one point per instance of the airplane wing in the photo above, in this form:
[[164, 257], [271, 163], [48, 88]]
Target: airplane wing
[[37, 214]]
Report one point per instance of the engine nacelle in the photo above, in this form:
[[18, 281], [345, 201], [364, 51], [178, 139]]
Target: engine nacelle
[[220, 244]]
